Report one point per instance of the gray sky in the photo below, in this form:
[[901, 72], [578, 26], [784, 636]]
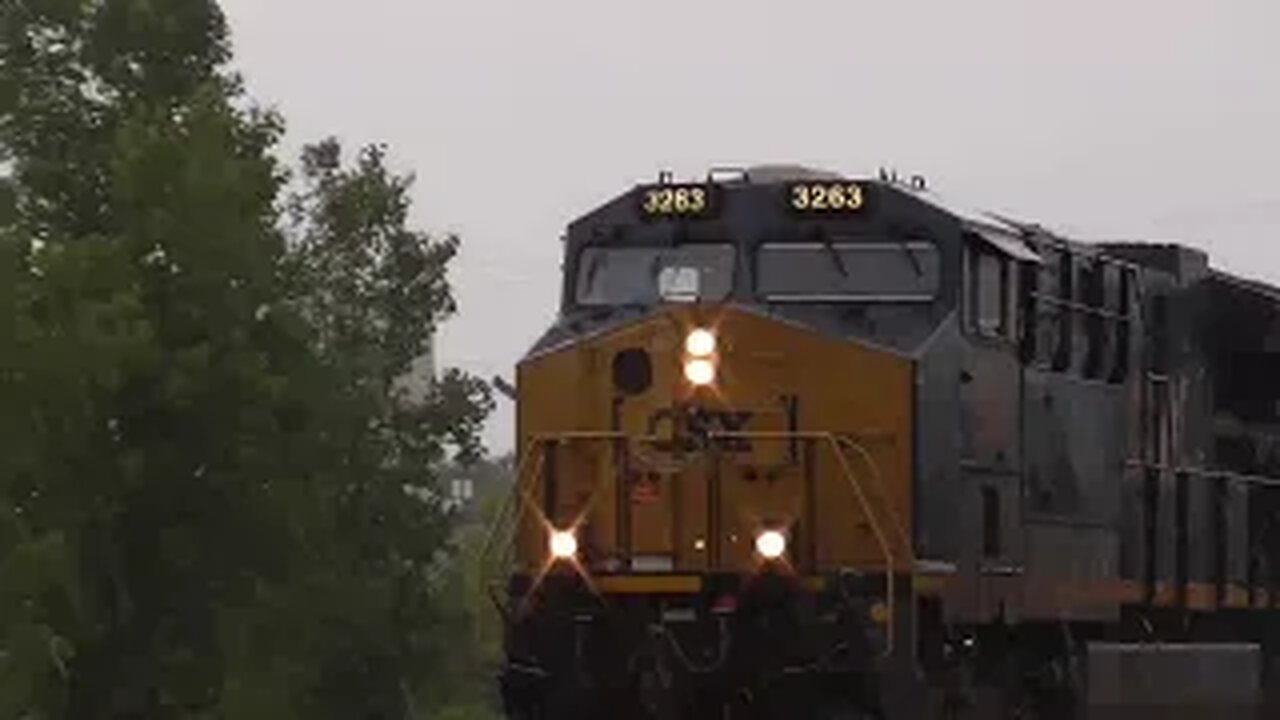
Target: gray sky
[[1135, 119]]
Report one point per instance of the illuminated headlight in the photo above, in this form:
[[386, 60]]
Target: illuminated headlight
[[700, 343], [563, 544], [771, 544], [700, 371]]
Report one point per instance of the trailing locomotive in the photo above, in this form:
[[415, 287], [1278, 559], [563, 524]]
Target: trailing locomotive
[[800, 445]]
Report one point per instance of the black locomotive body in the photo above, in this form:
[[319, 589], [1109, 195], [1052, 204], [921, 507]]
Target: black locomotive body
[[1079, 444]]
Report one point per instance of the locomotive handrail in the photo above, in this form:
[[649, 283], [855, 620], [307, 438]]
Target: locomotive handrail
[[517, 491], [536, 442], [878, 479], [834, 441], [522, 496], [837, 442], [890, 571]]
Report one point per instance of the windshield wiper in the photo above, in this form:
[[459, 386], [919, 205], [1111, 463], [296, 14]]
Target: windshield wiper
[[833, 254], [592, 270], [906, 248]]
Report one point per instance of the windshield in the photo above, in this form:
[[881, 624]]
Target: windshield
[[848, 272], [645, 276]]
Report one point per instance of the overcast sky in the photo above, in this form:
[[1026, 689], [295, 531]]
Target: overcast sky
[[1133, 119]]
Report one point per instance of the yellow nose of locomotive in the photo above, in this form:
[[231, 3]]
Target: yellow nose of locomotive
[[711, 441]]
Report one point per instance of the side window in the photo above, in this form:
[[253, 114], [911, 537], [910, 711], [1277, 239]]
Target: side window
[[989, 296], [993, 295]]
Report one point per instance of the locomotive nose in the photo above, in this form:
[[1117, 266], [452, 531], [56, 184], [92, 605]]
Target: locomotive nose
[[722, 441]]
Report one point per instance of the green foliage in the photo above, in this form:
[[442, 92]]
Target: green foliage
[[203, 492], [467, 690]]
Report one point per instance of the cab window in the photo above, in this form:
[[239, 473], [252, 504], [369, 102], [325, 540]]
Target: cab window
[[866, 272], [989, 293], [651, 275]]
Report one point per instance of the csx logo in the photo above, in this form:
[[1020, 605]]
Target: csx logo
[[691, 428]]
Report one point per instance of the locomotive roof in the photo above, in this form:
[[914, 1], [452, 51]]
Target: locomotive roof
[[1261, 289], [1005, 233]]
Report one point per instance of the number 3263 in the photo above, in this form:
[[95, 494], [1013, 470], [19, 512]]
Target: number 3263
[[825, 196], [675, 201]]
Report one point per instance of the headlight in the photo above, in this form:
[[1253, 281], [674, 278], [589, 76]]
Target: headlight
[[563, 544], [700, 343], [700, 371], [771, 544]]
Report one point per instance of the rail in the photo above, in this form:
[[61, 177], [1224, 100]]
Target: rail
[[524, 496]]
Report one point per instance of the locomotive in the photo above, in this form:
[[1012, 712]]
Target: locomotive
[[800, 445]]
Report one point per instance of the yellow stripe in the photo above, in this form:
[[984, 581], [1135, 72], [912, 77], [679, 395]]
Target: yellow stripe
[[928, 584], [1130, 591], [813, 584], [646, 584], [673, 584], [1201, 596], [1236, 596]]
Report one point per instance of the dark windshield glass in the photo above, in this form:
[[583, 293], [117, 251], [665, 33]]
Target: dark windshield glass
[[848, 272], [644, 276]]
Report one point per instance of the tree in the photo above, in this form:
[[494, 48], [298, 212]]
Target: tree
[[202, 488], [374, 291], [467, 597]]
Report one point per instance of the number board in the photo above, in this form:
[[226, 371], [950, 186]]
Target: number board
[[674, 201], [826, 197]]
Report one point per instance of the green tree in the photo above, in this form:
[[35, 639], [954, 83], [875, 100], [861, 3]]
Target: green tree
[[204, 454], [374, 290], [468, 691]]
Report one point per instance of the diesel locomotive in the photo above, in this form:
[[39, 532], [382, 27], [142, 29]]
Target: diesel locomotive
[[800, 445]]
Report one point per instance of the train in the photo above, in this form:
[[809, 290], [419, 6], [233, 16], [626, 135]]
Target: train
[[804, 445]]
